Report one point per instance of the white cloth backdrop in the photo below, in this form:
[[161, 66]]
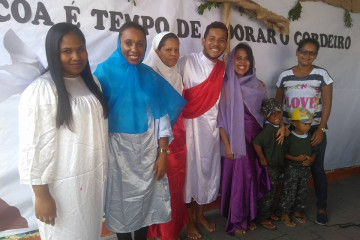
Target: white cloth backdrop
[[26, 19]]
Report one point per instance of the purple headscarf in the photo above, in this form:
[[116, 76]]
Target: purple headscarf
[[235, 93]]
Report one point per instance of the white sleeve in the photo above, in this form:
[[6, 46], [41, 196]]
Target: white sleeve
[[327, 79], [163, 129], [279, 83], [37, 133]]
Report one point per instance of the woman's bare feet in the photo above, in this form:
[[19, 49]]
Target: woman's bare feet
[[240, 231]]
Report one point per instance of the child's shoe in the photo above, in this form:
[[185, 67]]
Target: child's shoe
[[321, 217]]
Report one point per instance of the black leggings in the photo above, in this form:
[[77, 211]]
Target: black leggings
[[140, 234]]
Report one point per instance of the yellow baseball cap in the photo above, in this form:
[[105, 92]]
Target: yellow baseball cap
[[302, 114]]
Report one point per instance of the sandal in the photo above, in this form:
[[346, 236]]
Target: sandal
[[287, 221], [299, 218], [274, 217], [268, 224], [252, 226]]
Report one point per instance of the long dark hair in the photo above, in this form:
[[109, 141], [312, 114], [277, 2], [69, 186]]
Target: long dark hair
[[52, 44], [249, 54]]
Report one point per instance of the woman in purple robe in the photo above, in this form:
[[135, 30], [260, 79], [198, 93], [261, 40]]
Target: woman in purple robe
[[243, 180]]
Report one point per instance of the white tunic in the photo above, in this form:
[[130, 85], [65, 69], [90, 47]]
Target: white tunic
[[134, 198], [202, 137], [72, 163]]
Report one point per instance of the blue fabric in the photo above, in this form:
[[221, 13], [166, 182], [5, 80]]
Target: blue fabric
[[131, 90]]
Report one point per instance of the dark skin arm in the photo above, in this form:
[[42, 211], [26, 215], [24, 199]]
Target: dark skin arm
[[299, 158], [309, 160], [160, 164], [280, 95], [281, 134], [260, 154], [306, 160], [45, 206], [326, 98], [282, 131], [228, 152]]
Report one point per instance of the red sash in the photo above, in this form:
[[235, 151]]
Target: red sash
[[204, 96]]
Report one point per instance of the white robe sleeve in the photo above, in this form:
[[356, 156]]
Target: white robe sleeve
[[37, 133], [163, 129]]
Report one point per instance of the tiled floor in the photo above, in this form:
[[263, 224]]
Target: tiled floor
[[343, 209]]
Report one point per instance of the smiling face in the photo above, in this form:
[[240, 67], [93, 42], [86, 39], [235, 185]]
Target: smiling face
[[241, 62], [306, 55], [215, 43], [275, 118], [73, 55], [169, 52], [132, 44]]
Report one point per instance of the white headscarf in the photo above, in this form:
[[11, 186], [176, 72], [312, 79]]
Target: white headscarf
[[171, 74]]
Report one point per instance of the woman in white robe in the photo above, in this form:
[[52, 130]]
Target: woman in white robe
[[63, 140]]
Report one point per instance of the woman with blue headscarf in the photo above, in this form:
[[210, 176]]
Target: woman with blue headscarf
[[143, 107]]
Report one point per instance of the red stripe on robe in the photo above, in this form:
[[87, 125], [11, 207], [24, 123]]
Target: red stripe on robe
[[202, 97]]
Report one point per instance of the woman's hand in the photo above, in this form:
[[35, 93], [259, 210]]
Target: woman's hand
[[160, 166], [317, 137], [228, 152], [280, 134], [45, 206]]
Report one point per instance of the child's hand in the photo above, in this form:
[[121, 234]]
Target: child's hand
[[308, 161], [263, 162], [301, 158], [228, 152]]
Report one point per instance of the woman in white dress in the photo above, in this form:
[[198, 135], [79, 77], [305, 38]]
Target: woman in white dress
[[63, 140]]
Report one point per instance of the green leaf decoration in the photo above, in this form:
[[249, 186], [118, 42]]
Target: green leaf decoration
[[241, 10], [347, 19], [208, 5], [295, 13]]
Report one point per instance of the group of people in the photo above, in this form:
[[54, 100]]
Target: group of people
[[155, 139]]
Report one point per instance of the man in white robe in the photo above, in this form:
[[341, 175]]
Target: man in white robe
[[201, 72]]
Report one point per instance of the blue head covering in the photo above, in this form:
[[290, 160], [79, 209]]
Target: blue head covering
[[131, 90]]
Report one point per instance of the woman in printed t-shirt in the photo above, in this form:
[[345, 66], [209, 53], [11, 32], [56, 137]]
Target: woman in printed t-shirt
[[309, 86]]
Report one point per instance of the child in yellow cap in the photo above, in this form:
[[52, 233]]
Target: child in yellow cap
[[299, 155]]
